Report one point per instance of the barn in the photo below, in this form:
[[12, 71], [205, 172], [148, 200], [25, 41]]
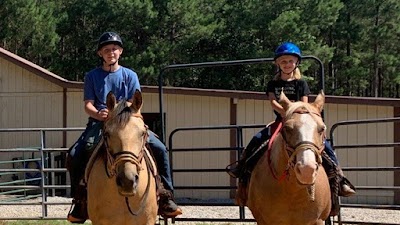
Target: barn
[[33, 97]]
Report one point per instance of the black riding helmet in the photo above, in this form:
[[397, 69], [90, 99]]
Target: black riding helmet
[[109, 38]]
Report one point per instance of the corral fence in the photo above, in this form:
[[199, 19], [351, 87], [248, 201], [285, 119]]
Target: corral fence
[[38, 171], [239, 148], [43, 181], [366, 147]]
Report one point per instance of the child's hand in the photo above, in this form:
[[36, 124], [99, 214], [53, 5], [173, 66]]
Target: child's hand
[[103, 114]]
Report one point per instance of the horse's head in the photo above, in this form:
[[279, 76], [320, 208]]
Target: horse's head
[[125, 136], [303, 132]]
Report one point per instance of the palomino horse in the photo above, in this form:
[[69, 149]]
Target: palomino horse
[[288, 186], [121, 186]]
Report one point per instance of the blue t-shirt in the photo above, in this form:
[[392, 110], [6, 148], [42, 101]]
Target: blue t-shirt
[[98, 83]]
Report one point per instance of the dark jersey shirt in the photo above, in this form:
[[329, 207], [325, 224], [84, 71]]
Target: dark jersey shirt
[[294, 89]]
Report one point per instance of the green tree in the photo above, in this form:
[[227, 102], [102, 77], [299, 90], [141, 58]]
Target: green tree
[[366, 42], [28, 28]]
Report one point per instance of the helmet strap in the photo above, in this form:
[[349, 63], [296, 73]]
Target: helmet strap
[[111, 65], [103, 62]]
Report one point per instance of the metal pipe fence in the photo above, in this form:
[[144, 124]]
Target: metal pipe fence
[[239, 148], [372, 168], [46, 185], [40, 180]]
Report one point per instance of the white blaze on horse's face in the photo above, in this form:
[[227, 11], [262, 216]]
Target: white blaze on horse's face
[[303, 131], [306, 166]]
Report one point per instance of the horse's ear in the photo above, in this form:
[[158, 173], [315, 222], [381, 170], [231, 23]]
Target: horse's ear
[[111, 101], [137, 101], [319, 101], [284, 101]]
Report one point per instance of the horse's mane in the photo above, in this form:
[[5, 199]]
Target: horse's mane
[[120, 118], [296, 105]]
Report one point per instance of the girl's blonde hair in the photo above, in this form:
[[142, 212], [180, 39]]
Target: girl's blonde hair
[[296, 73]]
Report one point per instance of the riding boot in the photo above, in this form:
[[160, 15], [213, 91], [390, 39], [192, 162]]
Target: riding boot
[[78, 211], [346, 188], [236, 169], [252, 153], [239, 168], [167, 206], [247, 161]]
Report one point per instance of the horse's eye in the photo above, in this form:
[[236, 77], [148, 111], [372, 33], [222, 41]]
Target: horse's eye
[[289, 125], [321, 128]]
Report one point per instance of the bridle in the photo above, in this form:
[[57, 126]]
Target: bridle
[[113, 160], [292, 151]]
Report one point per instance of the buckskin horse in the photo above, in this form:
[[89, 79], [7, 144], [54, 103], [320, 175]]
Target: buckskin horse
[[121, 185], [288, 186]]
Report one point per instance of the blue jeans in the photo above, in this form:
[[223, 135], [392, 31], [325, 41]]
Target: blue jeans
[[331, 153], [80, 153], [161, 155], [256, 141]]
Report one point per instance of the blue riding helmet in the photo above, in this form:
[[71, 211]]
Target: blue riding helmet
[[109, 38], [288, 48]]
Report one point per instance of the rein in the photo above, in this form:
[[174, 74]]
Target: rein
[[113, 160]]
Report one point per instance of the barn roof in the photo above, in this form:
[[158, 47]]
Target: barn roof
[[62, 82]]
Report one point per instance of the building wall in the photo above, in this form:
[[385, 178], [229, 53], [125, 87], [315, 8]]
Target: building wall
[[373, 133], [29, 101], [189, 111]]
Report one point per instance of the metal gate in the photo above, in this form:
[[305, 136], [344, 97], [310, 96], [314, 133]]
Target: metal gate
[[239, 148], [34, 182], [367, 146], [47, 170]]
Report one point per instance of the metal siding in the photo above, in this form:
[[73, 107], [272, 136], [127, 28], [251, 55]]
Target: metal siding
[[3, 74], [366, 134], [28, 99], [29, 111], [199, 111], [253, 112], [76, 117], [34, 102]]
